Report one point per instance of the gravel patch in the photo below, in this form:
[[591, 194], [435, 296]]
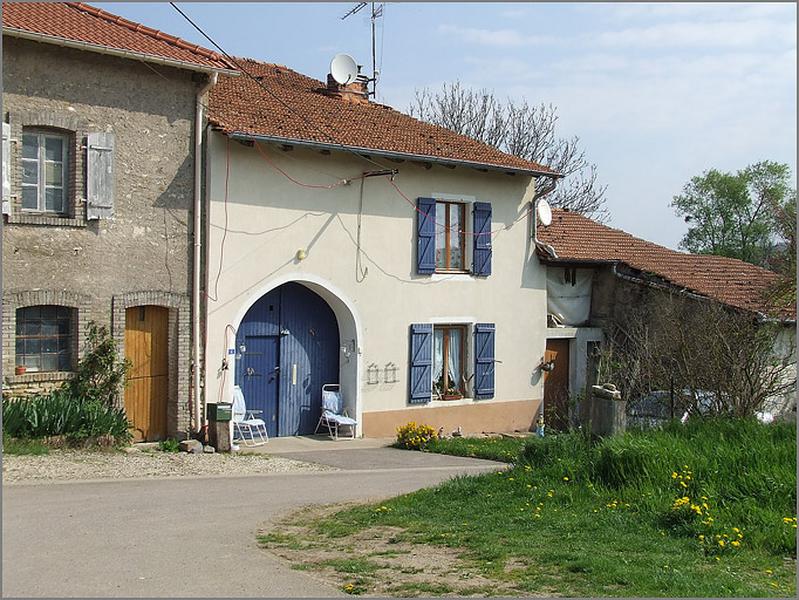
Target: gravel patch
[[62, 465]]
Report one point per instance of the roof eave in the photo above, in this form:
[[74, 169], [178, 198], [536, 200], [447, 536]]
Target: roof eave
[[99, 48], [387, 153]]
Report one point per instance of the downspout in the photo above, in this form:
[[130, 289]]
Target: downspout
[[196, 265]]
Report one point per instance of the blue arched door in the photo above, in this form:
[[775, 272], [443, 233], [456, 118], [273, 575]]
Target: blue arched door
[[288, 347]]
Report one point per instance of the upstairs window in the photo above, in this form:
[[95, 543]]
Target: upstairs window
[[45, 338], [44, 169], [450, 236]]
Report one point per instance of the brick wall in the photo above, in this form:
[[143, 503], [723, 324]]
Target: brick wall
[[143, 254]]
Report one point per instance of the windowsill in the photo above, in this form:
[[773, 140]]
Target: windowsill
[[435, 402], [39, 377], [35, 218], [452, 276]]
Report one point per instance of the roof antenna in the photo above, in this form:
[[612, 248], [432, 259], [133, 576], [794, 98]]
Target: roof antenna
[[377, 12]]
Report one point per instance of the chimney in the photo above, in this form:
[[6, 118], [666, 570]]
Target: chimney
[[355, 91]]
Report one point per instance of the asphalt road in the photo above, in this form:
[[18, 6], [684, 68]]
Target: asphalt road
[[188, 537]]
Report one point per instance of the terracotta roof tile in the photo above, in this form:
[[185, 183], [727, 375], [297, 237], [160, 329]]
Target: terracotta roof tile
[[239, 104], [78, 22], [728, 280]]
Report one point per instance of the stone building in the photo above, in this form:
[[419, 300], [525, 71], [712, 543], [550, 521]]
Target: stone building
[[598, 277], [98, 187]]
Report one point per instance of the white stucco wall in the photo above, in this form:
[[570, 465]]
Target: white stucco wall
[[269, 219]]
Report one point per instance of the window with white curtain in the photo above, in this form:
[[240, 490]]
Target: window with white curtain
[[449, 358]]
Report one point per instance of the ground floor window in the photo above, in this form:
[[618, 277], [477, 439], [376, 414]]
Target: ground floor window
[[45, 338], [449, 357]]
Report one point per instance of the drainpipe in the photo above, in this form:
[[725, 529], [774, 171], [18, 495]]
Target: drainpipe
[[195, 301]]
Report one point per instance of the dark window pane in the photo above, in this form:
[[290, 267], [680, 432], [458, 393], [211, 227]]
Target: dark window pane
[[19, 348], [30, 146], [50, 327], [29, 312], [30, 172], [32, 362], [33, 346], [50, 344], [54, 174], [53, 148], [30, 197], [49, 362], [31, 327], [51, 312], [64, 361], [54, 199]]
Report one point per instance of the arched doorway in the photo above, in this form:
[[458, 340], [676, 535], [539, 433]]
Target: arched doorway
[[288, 347]]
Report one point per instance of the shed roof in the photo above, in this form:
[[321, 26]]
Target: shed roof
[[577, 238]]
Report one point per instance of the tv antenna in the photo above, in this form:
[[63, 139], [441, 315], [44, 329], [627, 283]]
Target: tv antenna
[[377, 12]]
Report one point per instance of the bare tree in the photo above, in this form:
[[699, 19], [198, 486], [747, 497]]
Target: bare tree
[[715, 360], [524, 130]]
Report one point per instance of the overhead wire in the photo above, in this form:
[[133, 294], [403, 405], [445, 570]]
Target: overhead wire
[[339, 183]]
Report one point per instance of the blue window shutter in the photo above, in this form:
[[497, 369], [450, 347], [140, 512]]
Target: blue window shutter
[[484, 360], [481, 257], [421, 363], [426, 235]]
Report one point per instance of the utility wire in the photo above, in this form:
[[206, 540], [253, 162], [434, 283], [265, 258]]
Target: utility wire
[[270, 92]]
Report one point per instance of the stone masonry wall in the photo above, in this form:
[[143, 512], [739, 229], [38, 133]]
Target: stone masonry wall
[[143, 254]]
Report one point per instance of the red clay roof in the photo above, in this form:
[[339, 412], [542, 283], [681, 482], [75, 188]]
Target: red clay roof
[[728, 280], [78, 22], [240, 105]]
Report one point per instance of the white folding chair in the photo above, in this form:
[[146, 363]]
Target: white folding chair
[[334, 415], [245, 425]]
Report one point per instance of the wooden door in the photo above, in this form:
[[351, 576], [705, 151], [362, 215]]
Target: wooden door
[[556, 385], [147, 391]]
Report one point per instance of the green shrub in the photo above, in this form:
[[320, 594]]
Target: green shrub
[[12, 446], [169, 445], [102, 372], [413, 436]]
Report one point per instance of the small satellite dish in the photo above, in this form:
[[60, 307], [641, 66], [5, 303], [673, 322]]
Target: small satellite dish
[[544, 212], [343, 69]]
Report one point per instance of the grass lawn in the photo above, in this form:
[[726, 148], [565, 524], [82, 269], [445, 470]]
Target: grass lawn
[[576, 519], [12, 446], [503, 449]]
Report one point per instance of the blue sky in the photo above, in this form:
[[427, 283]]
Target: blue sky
[[657, 92]]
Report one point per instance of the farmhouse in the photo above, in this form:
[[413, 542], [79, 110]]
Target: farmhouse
[[99, 179], [349, 243]]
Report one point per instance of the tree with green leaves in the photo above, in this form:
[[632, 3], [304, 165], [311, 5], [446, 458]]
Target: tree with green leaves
[[741, 215]]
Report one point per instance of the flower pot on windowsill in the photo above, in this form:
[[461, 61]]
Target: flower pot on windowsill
[[20, 370], [452, 397]]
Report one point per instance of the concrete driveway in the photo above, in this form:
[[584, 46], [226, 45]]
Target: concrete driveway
[[189, 537]]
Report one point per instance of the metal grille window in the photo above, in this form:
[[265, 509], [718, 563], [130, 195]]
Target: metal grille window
[[44, 168], [45, 338]]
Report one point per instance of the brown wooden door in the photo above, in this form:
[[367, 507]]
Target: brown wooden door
[[148, 386], [556, 385]]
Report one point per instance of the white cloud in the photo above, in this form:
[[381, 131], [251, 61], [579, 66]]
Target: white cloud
[[494, 37], [718, 34], [699, 10]]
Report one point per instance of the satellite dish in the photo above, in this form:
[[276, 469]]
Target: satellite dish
[[343, 69], [544, 212]]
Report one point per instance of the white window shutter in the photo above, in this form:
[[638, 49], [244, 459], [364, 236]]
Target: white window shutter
[[100, 176], [6, 169]]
